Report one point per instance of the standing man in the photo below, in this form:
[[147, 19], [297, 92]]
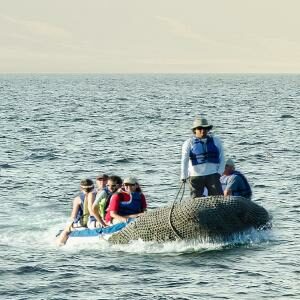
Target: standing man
[[234, 182], [202, 160]]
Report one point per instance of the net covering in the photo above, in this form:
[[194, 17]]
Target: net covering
[[205, 217]]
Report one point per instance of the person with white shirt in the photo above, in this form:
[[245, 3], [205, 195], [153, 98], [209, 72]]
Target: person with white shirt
[[202, 161]]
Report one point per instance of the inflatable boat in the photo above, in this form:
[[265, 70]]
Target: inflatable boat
[[208, 218]]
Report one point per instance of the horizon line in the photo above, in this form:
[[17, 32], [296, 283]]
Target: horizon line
[[153, 73]]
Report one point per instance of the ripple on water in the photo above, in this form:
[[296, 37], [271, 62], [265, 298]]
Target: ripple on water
[[286, 116], [7, 166], [41, 156], [31, 269]]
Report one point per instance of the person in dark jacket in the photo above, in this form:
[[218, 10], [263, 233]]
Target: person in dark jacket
[[234, 182]]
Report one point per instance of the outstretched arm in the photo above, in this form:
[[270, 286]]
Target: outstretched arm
[[63, 237]]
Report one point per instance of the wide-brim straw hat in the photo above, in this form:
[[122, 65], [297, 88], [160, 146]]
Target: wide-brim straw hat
[[201, 122]]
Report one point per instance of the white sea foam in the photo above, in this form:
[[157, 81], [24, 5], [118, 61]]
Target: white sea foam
[[247, 238]]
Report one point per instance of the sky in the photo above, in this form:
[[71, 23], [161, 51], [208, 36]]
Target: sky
[[149, 36]]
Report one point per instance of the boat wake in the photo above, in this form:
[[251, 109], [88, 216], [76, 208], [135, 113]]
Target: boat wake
[[249, 238], [46, 240]]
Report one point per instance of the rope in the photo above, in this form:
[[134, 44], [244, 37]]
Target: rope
[[183, 183], [177, 234]]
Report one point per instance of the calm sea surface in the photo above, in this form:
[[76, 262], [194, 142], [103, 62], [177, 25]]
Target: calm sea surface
[[58, 129]]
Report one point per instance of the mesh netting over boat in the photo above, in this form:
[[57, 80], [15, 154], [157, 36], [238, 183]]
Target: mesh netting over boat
[[206, 217]]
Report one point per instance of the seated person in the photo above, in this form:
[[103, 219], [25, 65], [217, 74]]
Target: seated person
[[114, 185], [234, 182], [82, 214], [99, 204], [101, 182], [126, 204]]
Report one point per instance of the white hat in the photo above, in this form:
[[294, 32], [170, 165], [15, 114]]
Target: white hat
[[201, 122], [130, 180], [229, 162]]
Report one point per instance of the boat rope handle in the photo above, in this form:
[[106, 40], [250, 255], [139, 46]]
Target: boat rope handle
[[177, 234]]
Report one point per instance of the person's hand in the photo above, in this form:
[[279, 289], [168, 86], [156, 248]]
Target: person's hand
[[139, 214], [101, 224]]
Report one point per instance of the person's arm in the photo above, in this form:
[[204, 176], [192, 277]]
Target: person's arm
[[97, 215], [63, 237], [90, 199], [231, 185], [76, 205], [95, 207], [115, 215], [185, 156]]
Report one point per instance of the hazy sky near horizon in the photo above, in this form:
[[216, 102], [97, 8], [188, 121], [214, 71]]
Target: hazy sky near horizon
[[139, 36]]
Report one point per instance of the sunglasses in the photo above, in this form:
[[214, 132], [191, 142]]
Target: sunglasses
[[202, 128], [129, 184], [112, 185]]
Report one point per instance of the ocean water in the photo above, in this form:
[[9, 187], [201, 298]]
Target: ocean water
[[58, 129]]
